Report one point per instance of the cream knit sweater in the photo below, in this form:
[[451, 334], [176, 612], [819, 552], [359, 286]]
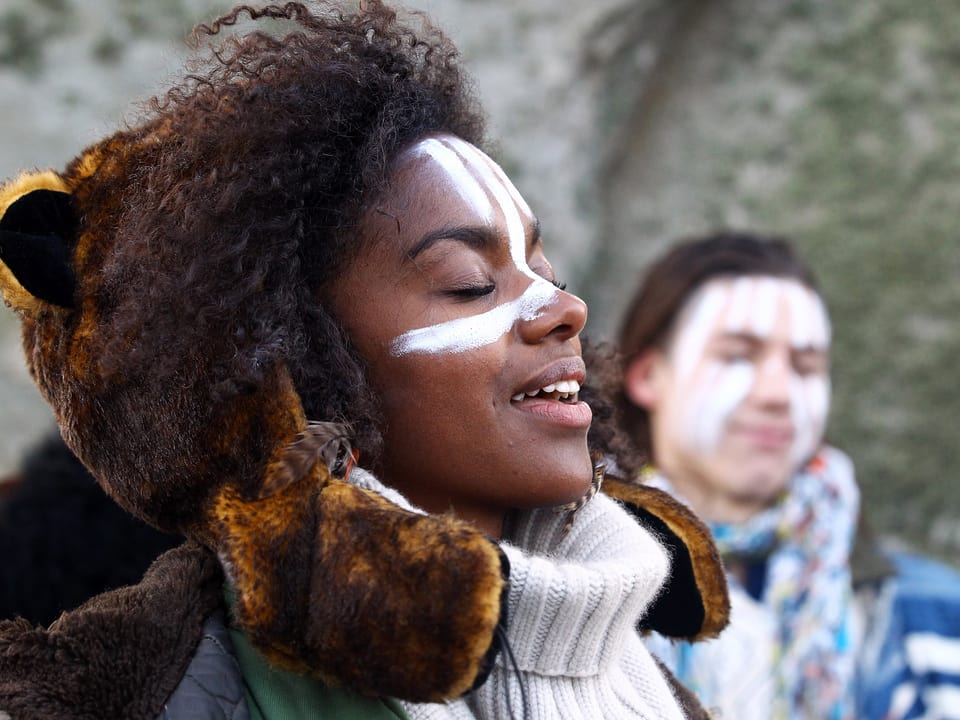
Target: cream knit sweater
[[574, 601]]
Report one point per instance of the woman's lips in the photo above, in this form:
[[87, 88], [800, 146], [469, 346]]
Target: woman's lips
[[566, 414], [567, 370]]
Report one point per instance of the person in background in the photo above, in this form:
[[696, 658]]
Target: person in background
[[63, 540], [725, 352]]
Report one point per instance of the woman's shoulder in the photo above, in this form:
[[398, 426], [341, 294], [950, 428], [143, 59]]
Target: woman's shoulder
[[121, 654]]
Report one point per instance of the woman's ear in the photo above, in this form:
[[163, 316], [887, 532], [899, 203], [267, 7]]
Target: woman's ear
[[640, 379]]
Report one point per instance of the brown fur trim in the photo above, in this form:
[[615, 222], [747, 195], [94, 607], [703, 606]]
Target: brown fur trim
[[336, 582], [121, 654], [695, 605]]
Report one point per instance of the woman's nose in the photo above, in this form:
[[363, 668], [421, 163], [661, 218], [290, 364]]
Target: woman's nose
[[563, 317]]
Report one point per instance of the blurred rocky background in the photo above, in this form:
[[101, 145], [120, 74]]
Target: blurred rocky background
[[629, 124]]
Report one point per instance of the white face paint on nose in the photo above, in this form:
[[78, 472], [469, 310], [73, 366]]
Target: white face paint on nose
[[476, 178], [471, 333]]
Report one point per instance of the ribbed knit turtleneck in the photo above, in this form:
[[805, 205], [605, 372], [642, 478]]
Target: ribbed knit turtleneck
[[574, 601]]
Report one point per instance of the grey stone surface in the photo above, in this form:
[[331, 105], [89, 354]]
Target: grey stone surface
[[630, 123]]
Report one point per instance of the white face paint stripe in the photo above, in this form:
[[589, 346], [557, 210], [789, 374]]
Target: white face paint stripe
[[721, 391], [511, 188], [765, 306], [802, 422], [467, 186], [698, 430], [518, 242], [809, 406], [475, 331], [809, 322], [743, 289], [695, 325], [821, 332], [801, 318], [470, 333]]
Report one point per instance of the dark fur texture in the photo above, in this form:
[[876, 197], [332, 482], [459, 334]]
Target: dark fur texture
[[120, 655]]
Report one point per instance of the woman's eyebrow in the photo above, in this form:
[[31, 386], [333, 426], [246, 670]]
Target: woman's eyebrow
[[476, 237]]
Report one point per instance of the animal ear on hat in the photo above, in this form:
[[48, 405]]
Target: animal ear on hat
[[38, 228], [695, 603]]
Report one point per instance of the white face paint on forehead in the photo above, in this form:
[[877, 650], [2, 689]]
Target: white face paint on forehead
[[749, 305], [811, 326], [468, 188], [713, 389], [497, 183], [694, 326], [476, 179]]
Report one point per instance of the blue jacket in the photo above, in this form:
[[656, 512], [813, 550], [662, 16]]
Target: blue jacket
[[909, 666]]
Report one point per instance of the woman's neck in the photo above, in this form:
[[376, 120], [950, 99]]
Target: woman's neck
[[488, 519]]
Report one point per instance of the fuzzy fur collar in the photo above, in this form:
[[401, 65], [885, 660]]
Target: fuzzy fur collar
[[121, 654]]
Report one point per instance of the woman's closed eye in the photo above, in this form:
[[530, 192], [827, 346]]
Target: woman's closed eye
[[472, 291]]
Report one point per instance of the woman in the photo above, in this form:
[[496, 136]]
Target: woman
[[304, 242]]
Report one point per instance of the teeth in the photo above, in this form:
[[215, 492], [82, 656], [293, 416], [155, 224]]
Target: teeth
[[563, 388]]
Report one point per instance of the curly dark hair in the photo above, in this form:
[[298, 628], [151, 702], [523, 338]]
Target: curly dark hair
[[253, 172], [608, 437], [671, 280]]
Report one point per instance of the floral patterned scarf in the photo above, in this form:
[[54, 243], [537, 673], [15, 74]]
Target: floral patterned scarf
[[806, 538]]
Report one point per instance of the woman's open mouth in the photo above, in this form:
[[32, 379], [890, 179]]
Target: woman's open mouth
[[565, 391], [558, 403]]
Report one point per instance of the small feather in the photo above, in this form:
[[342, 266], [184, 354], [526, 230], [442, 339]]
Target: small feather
[[324, 441]]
